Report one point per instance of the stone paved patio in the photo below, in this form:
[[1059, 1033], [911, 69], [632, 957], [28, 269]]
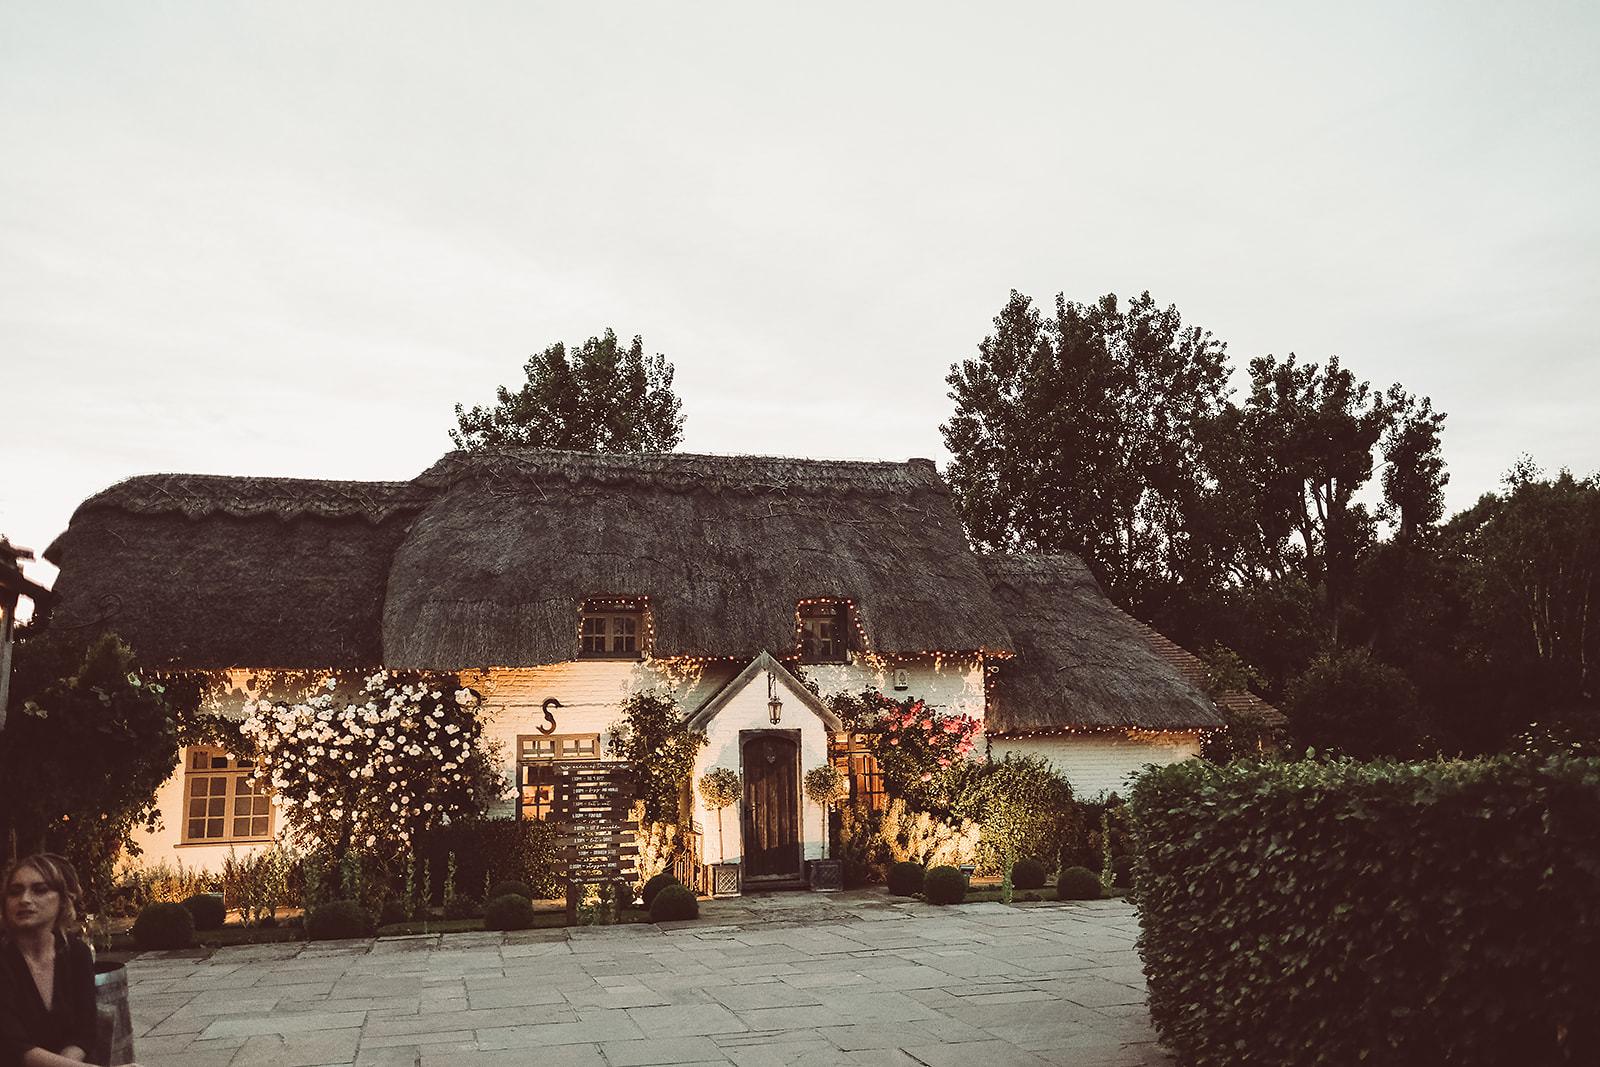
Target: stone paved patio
[[796, 978]]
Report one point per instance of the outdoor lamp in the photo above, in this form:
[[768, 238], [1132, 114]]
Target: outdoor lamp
[[774, 705]]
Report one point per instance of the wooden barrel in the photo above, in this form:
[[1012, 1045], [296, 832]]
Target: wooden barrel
[[114, 1025]]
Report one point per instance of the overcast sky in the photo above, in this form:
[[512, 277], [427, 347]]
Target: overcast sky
[[286, 238]]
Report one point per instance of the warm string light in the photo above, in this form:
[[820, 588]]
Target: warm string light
[[1133, 733]]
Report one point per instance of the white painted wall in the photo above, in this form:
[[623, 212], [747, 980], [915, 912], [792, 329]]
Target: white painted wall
[[747, 710], [1096, 764], [950, 685]]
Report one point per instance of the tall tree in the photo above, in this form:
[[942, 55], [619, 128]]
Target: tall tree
[[599, 397], [1080, 431]]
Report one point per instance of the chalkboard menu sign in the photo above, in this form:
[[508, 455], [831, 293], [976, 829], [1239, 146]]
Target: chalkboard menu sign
[[593, 805]]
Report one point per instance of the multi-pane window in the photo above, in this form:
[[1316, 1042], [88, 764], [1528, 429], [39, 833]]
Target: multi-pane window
[[852, 755], [537, 757], [822, 632], [612, 628], [222, 803]]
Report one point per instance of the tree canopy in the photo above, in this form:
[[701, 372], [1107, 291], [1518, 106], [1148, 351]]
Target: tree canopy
[[599, 396]]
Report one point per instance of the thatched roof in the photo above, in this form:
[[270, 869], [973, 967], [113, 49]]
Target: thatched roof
[[209, 572], [497, 566], [1080, 660], [485, 559]]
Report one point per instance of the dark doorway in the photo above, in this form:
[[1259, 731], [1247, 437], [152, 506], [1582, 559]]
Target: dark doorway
[[771, 807]]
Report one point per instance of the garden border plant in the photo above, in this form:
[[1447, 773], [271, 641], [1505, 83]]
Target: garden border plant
[[1389, 913]]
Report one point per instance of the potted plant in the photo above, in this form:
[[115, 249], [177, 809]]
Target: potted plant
[[720, 788], [825, 787]]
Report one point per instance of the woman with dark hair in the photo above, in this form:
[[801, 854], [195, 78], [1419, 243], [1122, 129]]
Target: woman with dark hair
[[47, 1002]]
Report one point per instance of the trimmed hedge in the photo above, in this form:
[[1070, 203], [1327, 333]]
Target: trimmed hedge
[[905, 878], [1382, 913], [508, 887], [944, 885], [655, 884], [1028, 873], [674, 902], [1078, 883], [208, 910], [509, 911], [338, 920], [163, 926]]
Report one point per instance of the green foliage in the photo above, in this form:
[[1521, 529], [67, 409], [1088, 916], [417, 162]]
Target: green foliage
[[508, 885], [906, 877], [826, 786], [259, 883], [163, 925], [1340, 913], [500, 849], [1078, 883], [1029, 873], [392, 913], [1348, 702], [674, 902], [463, 906], [944, 885], [654, 735], [208, 910], [1082, 430], [864, 854], [509, 911], [122, 734], [656, 885], [338, 920], [600, 397], [1022, 805], [1122, 872], [720, 787]]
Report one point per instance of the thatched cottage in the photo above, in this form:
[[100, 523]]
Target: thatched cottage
[[566, 582]]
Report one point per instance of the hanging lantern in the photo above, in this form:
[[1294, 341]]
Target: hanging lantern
[[774, 705]]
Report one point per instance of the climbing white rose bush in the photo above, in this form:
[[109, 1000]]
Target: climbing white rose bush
[[375, 770]]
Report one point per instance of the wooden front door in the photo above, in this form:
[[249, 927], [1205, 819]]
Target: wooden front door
[[771, 807]]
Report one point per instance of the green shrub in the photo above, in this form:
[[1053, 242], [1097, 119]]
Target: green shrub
[[464, 906], [1122, 871], [509, 885], [945, 885], [1028, 873], [862, 849], [1078, 883], [163, 926], [337, 920], [488, 851], [905, 879], [674, 902], [392, 914], [509, 911], [1023, 806], [655, 885], [1387, 913], [208, 910]]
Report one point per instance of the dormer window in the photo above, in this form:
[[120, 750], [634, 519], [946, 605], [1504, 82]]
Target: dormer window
[[612, 628], [822, 631]]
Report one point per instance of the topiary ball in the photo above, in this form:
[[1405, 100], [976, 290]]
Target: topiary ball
[[944, 885], [508, 911], [656, 884], [337, 920], [462, 907], [906, 877], [392, 914], [1028, 873], [508, 886], [163, 926], [208, 911], [1122, 871], [1078, 883], [674, 902]]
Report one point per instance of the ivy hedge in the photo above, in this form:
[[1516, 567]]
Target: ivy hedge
[[488, 851], [1375, 913]]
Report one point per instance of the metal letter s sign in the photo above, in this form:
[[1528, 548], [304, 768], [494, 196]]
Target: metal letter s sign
[[550, 720]]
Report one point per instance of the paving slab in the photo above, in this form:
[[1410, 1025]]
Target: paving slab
[[772, 980]]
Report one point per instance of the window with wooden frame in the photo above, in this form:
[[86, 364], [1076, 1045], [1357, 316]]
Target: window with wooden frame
[[821, 629], [853, 758], [222, 804], [537, 757], [612, 628]]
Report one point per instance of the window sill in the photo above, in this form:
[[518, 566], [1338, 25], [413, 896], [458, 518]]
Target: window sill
[[613, 657], [225, 843]]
